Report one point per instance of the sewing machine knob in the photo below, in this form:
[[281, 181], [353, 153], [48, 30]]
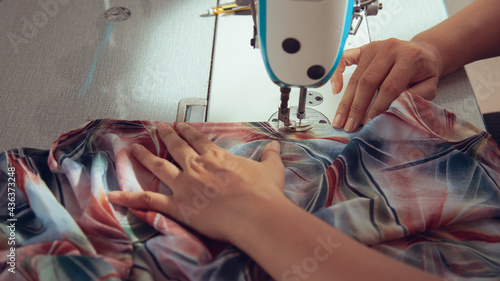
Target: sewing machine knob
[[316, 72], [291, 45]]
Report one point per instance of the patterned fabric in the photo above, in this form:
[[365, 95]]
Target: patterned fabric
[[415, 183]]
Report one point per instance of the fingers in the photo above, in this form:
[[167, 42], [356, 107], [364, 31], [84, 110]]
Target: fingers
[[271, 155], [142, 200], [366, 88], [337, 79], [392, 66], [180, 150], [199, 142], [161, 168], [396, 82], [360, 91], [426, 88], [349, 57], [352, 56]]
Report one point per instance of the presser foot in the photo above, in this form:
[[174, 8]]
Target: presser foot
[[294, 126]]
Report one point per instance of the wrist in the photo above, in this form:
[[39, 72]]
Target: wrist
[[252, 218], [433, 52]]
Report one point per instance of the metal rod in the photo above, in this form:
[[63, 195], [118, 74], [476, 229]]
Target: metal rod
[[284, 111], [285, 96], [301, 111]]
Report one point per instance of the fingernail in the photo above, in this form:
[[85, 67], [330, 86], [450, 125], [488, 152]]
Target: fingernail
[[334, 88], [349, 126], [275, 145], [368, 120], [337, 121], [182, 125]]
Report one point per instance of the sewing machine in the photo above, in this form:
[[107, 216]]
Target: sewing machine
[[299, 56], [304, 53], [66, 62]]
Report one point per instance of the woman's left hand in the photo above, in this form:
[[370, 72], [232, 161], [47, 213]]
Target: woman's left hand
[[393, 66], [213, 190]]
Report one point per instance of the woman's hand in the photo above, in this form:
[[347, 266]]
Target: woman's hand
[[392, 66], [213, 189]]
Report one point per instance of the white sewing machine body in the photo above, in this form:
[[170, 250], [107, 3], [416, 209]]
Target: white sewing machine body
[[302, 40], [242, 88]]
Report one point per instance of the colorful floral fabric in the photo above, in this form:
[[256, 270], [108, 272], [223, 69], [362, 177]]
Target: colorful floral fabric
[[415, 183]]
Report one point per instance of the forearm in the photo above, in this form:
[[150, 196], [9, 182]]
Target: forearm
[[469, 35], [291, 244]]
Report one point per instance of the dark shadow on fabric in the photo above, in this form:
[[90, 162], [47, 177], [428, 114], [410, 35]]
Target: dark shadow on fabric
[[492, 121]]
